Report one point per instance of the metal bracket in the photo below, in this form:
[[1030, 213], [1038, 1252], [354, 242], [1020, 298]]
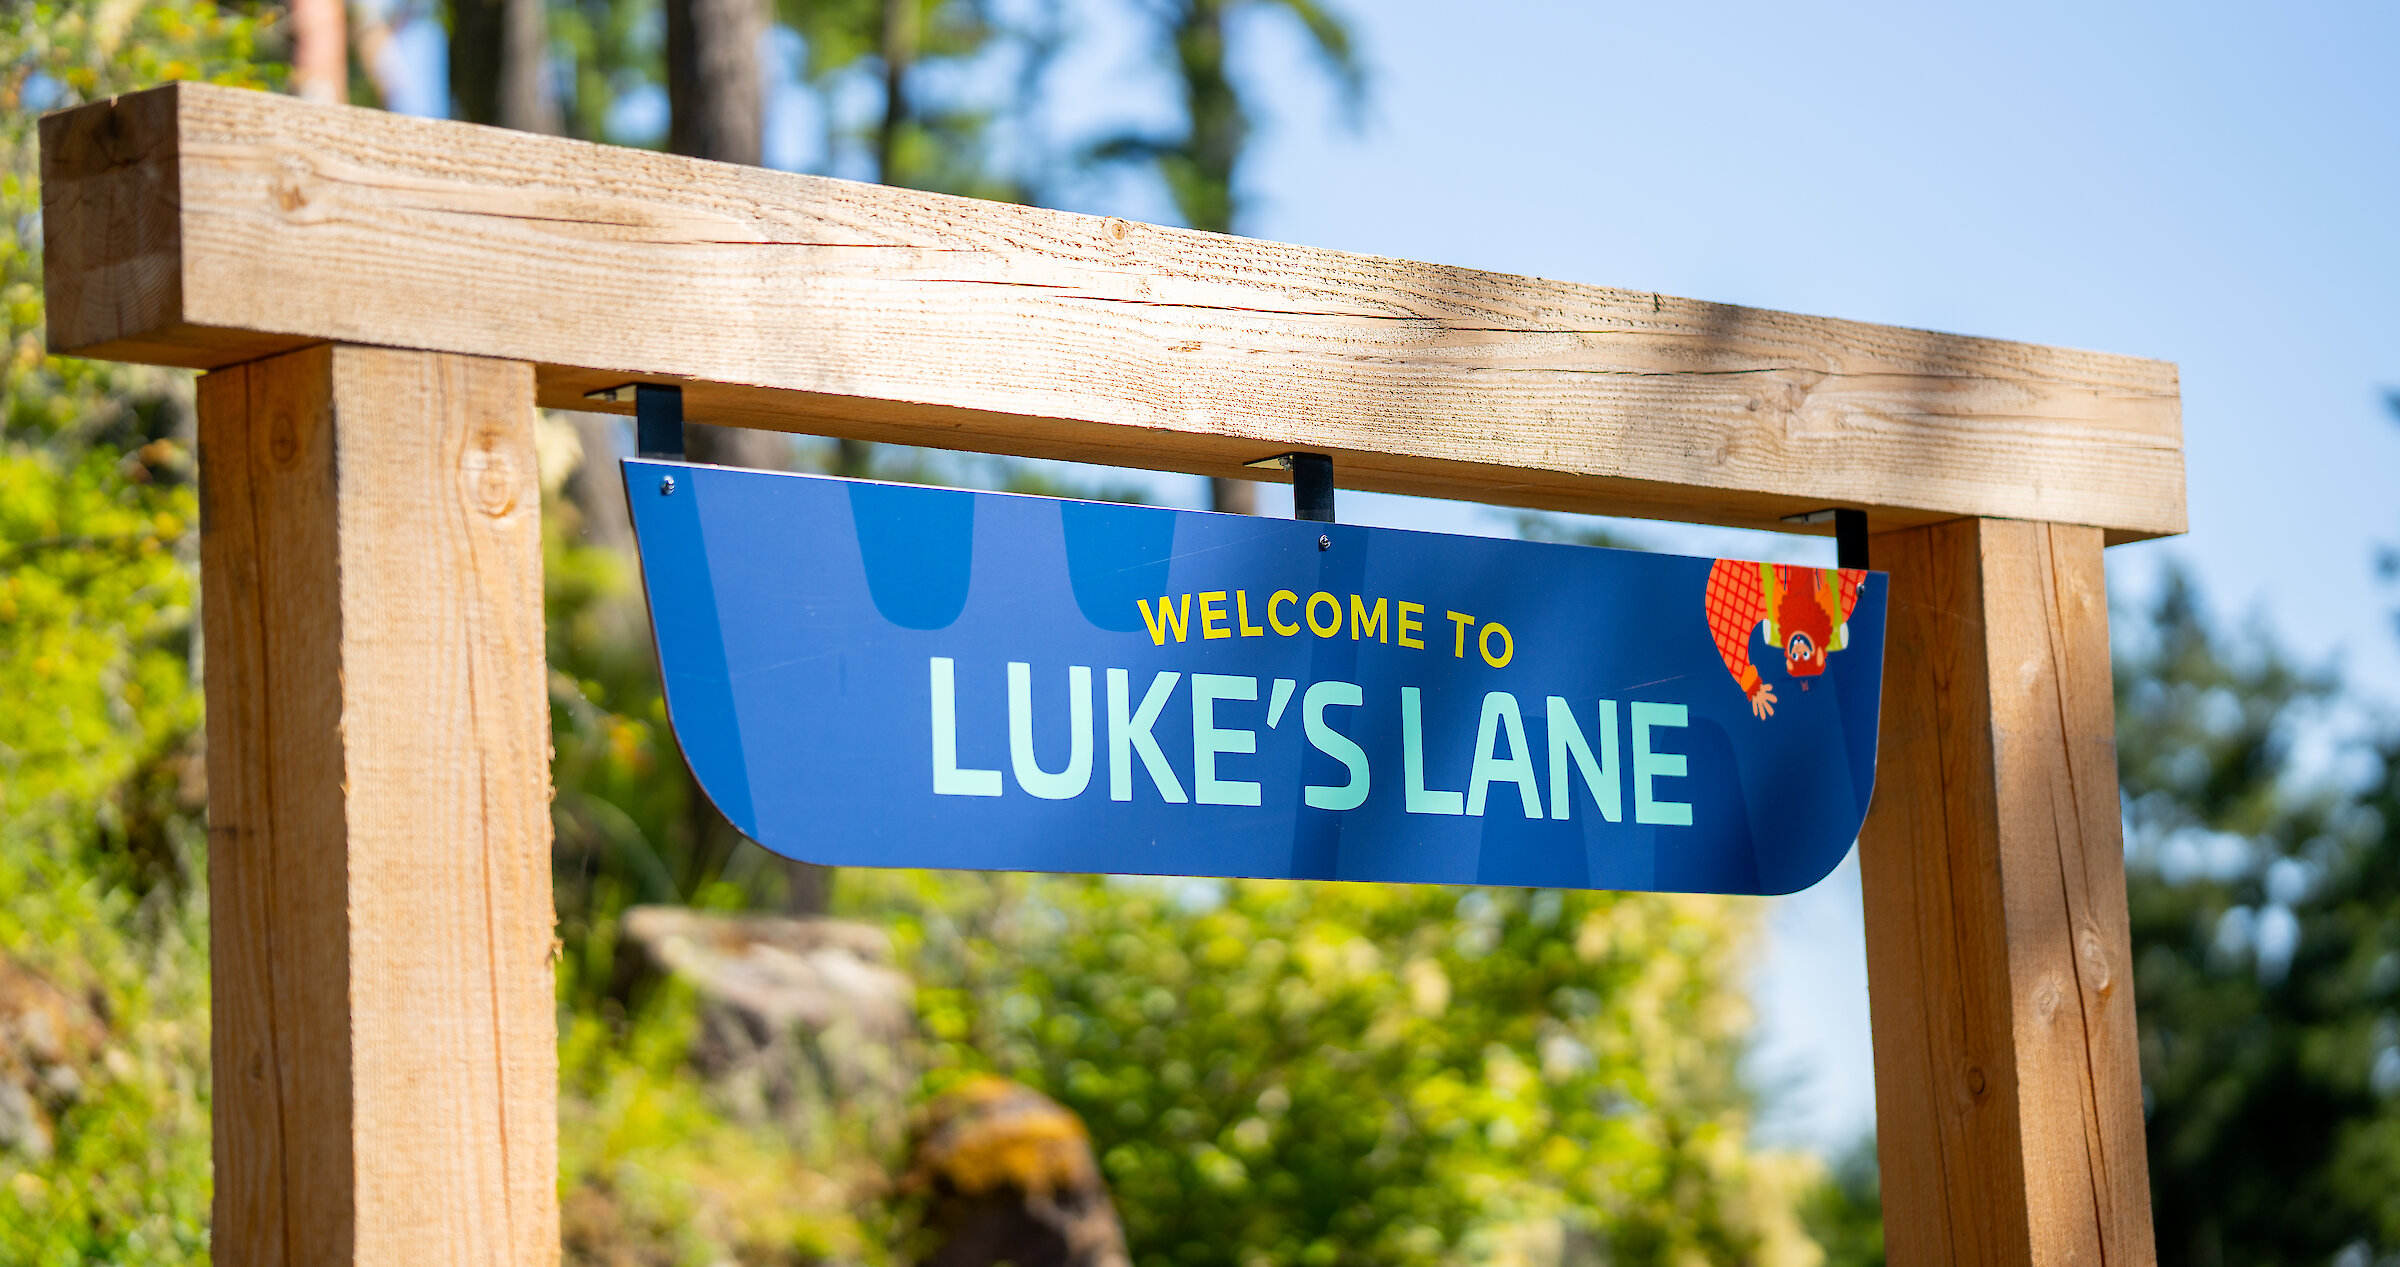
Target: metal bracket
[[1849, 533], [657, 416], [1312, 483]]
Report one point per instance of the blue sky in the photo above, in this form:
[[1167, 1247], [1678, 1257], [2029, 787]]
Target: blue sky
[[2208, 184]]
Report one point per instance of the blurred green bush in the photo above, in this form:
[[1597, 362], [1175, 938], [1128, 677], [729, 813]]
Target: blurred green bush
[[102, 888], [1323, 1073]]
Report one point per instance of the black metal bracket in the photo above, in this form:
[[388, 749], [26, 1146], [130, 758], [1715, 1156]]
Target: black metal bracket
[[1849, 534], [1850, 539], [657, 417], [658, 421], [1312, 483]]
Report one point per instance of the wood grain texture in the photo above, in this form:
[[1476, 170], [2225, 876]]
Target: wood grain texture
[[1999, 958], [385, 1046], [200, 226], [279, 946]]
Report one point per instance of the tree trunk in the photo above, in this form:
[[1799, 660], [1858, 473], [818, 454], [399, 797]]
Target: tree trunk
[[1220, 128], [899, 53], [320, 51], [498, 55], [1234, 497], [716, 93]]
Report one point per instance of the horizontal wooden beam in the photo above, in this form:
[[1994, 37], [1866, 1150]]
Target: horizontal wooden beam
[[202, 226]]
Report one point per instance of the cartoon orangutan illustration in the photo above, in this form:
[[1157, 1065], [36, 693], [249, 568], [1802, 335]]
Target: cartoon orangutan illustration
[[1806, 612]]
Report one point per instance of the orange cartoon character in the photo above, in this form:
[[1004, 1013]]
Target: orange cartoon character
[[1806, 612]]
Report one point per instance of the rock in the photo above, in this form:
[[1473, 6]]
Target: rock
[[47, 1039], [1007, 1175], [817, 973], [792, 1010]]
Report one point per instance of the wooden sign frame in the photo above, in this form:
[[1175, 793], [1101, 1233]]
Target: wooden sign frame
[[381, 301]]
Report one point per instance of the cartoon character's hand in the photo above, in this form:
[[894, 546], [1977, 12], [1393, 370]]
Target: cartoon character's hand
[[1762, 701]]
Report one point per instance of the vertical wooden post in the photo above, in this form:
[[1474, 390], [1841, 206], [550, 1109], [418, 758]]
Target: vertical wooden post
[[2007, 1086], [378, 755]]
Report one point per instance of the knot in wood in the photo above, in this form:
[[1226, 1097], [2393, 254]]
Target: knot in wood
[[2094, 951], [2046, 998], [283, 438], [492, 472]]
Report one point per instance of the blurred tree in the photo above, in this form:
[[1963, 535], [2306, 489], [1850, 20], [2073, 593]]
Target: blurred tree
[[2266, 939], [102, 887], [96, 551], [608, 52], [915, 143], [1844, 1212], [2387, 557], [1200, 166], [1356, 1073], [931, 66], [499, 61], [716, 87], [320, 49]]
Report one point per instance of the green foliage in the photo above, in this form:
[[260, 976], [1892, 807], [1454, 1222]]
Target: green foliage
[[1844, 1213], [957, 86], [100, 792], [606, 49], [653, 1169], [1200, 165], [1331, 1073], [1535, 525], [2266, 938], [936, 131], [56, 53], [2387, 555], [623, 809], [127, 1179], [95, 622], [931, 131]]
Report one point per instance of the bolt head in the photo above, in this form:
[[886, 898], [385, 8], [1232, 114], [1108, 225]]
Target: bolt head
[[666, 486], [1324, 543]]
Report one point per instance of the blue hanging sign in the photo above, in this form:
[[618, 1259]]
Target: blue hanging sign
[[867, 674]]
